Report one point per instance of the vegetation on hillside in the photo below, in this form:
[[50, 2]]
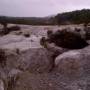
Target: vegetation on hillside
[[26, 20], [74, 17]]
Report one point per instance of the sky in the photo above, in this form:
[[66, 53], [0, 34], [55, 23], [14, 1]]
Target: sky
[[40, 8]]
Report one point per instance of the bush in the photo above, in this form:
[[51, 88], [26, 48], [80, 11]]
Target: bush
[[68, 40]]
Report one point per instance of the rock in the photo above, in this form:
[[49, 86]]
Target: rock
[[87, 29], [47, 81], [8, 71], [12, 42], [12, 78], [77, 85], [26, 55], [36, 60], [67, 39], [13, 59], [2, 87], [31, 81], [14, 72], [88, 41], [33, 59], [7, 39], [69, 63], [75, 62], [55, 50]]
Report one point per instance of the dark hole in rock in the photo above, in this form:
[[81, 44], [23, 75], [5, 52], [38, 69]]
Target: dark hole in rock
[[27, 35], [2, 58]]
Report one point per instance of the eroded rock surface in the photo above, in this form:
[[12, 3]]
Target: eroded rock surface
[[74, 62]]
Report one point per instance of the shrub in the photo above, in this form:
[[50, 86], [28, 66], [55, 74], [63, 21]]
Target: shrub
[[67, 39]]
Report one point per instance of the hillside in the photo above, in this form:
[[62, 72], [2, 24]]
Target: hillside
[[76, 17], [73, 17], [26, 20]]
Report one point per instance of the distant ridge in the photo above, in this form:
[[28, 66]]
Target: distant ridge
[[72, 17], [77, 16]]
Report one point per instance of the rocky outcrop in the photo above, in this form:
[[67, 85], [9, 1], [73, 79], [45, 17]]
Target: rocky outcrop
[[36, 60], [26, 65], [69, 63], [49, 81], [75, 62]]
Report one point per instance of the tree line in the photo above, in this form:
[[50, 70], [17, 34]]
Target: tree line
[[73, 17]]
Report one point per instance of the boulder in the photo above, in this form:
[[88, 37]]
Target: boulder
[[33, 60], [75, 62], [69, 63], [36, 60], [31, 81]]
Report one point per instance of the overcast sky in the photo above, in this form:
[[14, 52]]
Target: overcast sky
[[40, 8]]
